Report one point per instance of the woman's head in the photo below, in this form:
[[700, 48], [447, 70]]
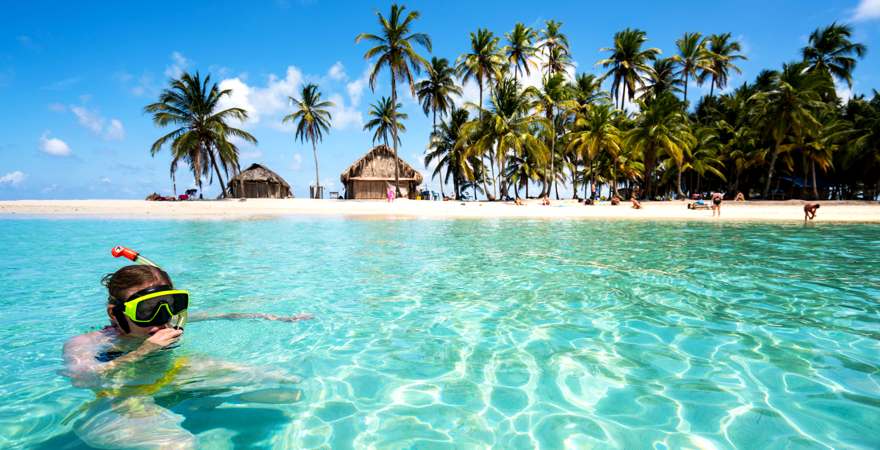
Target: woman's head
[[127, 281]]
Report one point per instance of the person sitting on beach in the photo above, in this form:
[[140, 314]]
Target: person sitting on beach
[[810, 211], [635, 202], [518, 202], [545, 200], [717, 197], [127, 362], [615, 200], [739, 197]]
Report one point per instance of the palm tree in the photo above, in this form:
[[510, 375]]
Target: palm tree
[[786, 110], [202, 136], [722, 54], [444, 151], [546, 100], [831, 51], [520, 49], [312, 121], [628, 63], [386, 120], [824, 144], [554, 45], [661, 79], [705, 156], [394, 50], [661, 128], [692, 57], [586, 89], [437, 90], [506, 127], [596, 132]]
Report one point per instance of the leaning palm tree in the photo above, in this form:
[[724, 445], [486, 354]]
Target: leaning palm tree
[[628, 63], [447, 155], [554, 45], [722, 53], [202, 136], [832, 51], [692, 58], [520, 49], [435, 93], [386, 121], [312, 121], [394, 50], [662, 128]]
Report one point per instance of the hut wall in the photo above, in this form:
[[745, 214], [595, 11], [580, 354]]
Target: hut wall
[[375, 190], [259, 189]]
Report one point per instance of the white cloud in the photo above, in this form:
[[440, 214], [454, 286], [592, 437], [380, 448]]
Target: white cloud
[[867, 10], [337, 72], [179, 63], [105, 180], [13, 178], [843, 91], [297, 162], [262, 101], [344, 116], [355, 89], [53, 146], [57, 107], [114, 131], [49, 189]]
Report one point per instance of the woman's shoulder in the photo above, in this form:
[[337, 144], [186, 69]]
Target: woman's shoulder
[[90, 339]]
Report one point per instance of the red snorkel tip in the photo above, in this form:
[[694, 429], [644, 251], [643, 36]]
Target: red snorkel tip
[[124, 251]]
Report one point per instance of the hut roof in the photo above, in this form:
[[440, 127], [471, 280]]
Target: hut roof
[[378, 165], [259, 172]]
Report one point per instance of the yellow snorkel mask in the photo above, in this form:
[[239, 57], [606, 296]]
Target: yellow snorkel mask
[[156, 305]]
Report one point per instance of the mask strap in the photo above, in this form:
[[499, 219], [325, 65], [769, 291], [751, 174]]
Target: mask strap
[[119, 315]]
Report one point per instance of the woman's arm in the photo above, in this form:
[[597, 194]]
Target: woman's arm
[[233, 316]]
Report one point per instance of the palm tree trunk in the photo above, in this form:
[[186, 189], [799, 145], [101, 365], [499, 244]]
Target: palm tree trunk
[[685, 88], [770, 172], [174, 183], [678, 184], [217, 171], [815, 188], [712, 87], [614, 177], [394, 134], [439, 169], [592, 179], [317, 176]]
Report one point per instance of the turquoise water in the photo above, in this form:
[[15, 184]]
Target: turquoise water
[[470, 334]]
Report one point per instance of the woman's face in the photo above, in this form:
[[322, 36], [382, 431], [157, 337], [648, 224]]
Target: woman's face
[[137, 330]]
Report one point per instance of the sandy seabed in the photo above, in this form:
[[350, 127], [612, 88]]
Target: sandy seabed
[[776, 211]]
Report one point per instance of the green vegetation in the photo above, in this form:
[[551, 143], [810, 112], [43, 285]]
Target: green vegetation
[[312, 121]]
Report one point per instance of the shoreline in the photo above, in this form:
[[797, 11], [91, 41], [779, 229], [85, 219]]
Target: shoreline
[[787, 211]]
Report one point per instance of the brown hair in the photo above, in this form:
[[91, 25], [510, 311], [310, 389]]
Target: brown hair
[[130, 276]]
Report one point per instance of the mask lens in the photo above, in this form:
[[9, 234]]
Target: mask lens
[[147, 308], [179, 302]]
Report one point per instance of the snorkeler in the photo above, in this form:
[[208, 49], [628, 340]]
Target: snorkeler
[[125, 365]]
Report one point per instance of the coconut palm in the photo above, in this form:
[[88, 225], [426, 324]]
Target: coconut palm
[[832, 51], [692, 58], [547, 99], [786, 111], [506, 127], [394, 50], [722, 53], [661, 78], [628, 63], [705, 157], [436, 92], [444, 152], [554, 46], [595, 132], [822, 146], [484, 62], [202, 136], [586, 89], [661, 129], [312, 120], [386, 121], [520, 49]]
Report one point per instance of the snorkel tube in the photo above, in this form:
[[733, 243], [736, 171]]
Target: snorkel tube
[[178, 320]]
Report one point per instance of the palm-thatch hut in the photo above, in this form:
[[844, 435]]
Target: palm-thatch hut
[[257, 181], [370, 176]]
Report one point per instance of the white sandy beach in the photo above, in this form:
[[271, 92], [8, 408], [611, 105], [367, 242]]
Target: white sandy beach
[[787, 211]]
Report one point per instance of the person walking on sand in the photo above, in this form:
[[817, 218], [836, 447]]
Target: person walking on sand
[[717, 197], [810, 211]]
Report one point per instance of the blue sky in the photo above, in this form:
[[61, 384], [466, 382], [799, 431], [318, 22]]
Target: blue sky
[[75, 76]]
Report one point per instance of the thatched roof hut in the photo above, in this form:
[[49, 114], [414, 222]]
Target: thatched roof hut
[[257, 181], [370, 176]]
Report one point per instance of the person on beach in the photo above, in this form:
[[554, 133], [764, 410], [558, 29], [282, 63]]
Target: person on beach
[[129, 365], [389, 193], [545, 200], [740, 197], [717, 197], [810, 211], [615, 200]]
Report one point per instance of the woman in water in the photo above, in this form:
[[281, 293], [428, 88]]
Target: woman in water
[[127, 363]]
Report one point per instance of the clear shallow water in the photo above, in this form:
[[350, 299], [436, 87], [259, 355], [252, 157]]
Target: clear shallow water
[[438, 334]]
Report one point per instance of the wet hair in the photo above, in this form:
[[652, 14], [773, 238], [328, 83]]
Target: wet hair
[[131, 276]]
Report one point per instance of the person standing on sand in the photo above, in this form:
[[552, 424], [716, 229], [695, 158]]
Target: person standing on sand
[[717, 197], [389, 193], [810, 211]]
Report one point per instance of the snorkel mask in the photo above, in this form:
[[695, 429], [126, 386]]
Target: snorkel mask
[[154, 306]]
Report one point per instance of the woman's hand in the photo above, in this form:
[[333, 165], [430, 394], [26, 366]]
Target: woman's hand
[[162, 338]]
